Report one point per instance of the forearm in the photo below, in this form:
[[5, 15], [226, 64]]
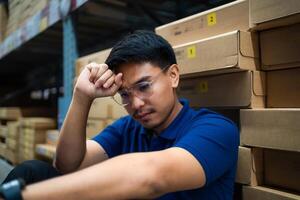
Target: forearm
[[125, 177], [73, 136]]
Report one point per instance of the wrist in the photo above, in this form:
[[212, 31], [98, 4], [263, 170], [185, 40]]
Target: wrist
[[13, 189]]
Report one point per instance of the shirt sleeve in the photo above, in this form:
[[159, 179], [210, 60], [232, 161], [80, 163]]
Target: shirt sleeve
[[214, 143], [111, 138]]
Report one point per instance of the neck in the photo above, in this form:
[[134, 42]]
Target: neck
[[171, 116]]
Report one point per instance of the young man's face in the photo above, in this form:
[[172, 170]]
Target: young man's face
[[152, 98]]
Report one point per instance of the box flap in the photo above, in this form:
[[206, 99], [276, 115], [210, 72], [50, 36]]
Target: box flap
[[258, 83]]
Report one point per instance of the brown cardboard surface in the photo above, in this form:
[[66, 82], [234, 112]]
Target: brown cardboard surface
[[52, 137], [271, 128], [250, 166], [14, 113], [233, 51], [106, 107], [282, 169], [98, 57], [38, 122], [263, 193], [280, 47], [268, 14], [13, 129], [234, 90], [283, 88], [94, 126], [229, 17], [3, 21], [46, 150]]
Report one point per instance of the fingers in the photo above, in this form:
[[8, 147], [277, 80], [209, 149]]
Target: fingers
[[107, 78], [96, 71], [117, 83]]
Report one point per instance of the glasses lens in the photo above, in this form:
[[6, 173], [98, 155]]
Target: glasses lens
[[121, 98]]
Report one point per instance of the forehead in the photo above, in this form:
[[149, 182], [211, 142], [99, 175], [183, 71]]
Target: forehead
[[134, 72]]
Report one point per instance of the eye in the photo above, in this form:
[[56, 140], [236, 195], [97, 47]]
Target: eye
[[144, 86], [124, 94]]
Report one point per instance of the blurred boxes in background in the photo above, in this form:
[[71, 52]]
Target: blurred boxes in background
[[226, 18], [32, 132], [52, 137], [3, 21], [268, 14], [228, 52]]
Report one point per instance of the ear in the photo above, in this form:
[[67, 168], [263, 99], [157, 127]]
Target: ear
[[174, 75]]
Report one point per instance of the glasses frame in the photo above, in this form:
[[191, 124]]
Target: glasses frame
[[154, 78]]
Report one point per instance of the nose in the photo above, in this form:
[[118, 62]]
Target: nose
[[136, 103]]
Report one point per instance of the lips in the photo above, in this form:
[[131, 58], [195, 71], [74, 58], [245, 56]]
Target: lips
[[142, 116]]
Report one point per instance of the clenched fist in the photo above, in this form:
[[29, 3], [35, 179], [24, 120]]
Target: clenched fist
[[96, 80]]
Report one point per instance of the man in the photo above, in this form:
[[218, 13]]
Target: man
[[163, 150]]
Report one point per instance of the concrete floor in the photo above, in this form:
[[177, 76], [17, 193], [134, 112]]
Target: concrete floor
[[5, 168]]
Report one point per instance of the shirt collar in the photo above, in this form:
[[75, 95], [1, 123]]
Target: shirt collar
[[170, 132]]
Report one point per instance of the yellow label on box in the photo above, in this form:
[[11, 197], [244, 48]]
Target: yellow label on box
[[202, 87], [211, 19], [191, 51], [43, 23]]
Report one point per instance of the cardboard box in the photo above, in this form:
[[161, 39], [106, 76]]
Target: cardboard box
[[3, 21], [268, 14], [2, 149], [13, 129], [106, 107], [250, 166], [52, 137], [46, 150], [283, 88], [263, 193], [12, 156], [98, 57], [280, 47], [225, 18], [282, 169], [270, 128], [94, 127], [12, 144], [228, 52], [14, 113], [234, 90], [38, 122], [3, 131], [30, 135]]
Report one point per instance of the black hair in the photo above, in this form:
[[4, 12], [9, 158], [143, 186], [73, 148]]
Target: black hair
[[141, 47]]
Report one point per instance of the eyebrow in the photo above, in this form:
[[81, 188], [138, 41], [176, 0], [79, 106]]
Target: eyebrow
[[145, 78]]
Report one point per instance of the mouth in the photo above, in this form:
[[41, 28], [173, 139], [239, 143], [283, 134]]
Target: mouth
[[143, 116]]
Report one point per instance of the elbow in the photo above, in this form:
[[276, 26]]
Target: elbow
[[156, 182]]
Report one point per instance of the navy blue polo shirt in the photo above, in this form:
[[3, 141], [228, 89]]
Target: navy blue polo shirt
[[210, 137]]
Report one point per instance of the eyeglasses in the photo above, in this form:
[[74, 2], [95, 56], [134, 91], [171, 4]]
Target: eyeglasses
[[142, 90]]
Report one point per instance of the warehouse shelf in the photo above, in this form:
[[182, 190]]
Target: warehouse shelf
[[35, 25]]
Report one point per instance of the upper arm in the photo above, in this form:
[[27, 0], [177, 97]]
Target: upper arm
[[94, 154], [179, 170]]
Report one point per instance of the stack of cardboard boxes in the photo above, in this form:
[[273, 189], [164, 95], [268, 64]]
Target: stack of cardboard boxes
[[225, 57], [49, 148], [20, 11], [103, 110], [3, 21], [32, 132], [11, 133]]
